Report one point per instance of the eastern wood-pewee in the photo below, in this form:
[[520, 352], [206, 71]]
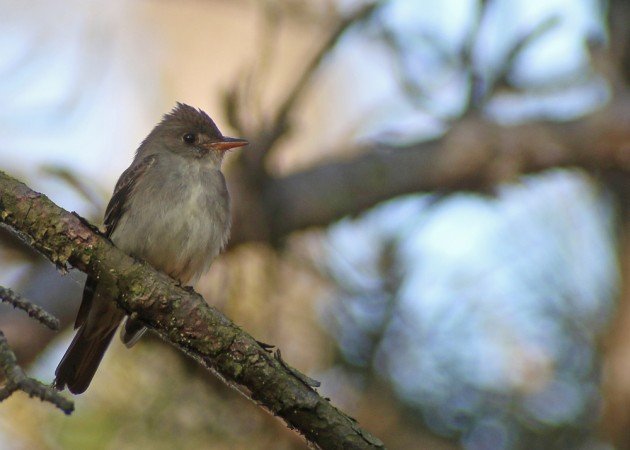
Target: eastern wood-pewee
[[171, 208]]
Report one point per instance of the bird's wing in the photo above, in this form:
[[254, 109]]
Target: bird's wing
[[118, 203], [115, 209]]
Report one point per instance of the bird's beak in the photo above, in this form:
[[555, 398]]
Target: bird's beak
[[228, 143]]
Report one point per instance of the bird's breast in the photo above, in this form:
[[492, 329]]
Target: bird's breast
[[178, 221]]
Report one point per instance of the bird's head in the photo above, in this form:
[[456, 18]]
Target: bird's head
[[189, 133]]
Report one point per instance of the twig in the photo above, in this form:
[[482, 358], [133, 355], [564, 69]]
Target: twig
[[501, 78], [17, 301], [273, 129], [281, 119], [16, 380], [409, 81], [308, 381]]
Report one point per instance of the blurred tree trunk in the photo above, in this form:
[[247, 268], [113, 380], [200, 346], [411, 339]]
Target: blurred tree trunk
[[616, 380], [616, 375]]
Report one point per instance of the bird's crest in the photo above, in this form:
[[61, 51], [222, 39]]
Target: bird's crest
[[185, 115]]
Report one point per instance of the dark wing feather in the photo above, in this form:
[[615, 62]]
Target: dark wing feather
[[115, 209], [86, 302], [118, 203]]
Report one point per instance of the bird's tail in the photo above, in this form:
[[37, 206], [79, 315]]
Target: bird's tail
[[79, 364]]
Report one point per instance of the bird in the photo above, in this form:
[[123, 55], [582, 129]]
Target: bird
[[171, 208]]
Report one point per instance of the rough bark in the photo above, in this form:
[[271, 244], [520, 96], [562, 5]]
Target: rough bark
[[179, 316]]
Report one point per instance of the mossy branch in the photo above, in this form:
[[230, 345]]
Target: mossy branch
[[179, 316]]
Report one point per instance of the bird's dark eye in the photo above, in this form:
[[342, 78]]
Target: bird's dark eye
[[189, 138]]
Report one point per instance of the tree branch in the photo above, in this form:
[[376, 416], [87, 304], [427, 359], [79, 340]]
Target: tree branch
[[281, 120], [180, 317], [34, 311], [270, 131], [16, 380], [476, 155]]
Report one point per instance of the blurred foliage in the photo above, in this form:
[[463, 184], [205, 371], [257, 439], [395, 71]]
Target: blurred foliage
[[483, 314]]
